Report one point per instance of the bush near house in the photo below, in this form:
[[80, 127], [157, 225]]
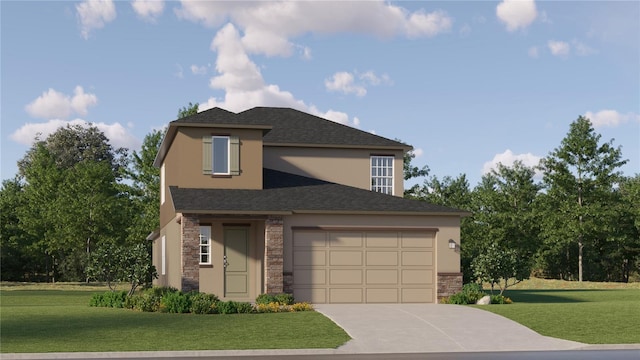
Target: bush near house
[[171, 300], [470, 294]]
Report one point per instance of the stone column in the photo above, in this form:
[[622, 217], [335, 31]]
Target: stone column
[[449, 284], [190, 259], [274, 255]]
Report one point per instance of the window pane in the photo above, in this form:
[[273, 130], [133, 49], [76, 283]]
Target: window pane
[[220, 155]]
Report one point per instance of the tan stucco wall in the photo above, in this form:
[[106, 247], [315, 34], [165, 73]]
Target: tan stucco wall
[[183, 164], [447, 260], [172, 275], [343, 166]]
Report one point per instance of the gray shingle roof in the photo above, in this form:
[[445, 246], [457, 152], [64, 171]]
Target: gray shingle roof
[[292, 126], [289, 193]]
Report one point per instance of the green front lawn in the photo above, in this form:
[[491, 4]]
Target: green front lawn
[[62, 321], [592, 316]]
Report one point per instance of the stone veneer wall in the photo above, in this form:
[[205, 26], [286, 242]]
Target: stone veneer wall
[[274, 255], [449, 284], [190, 243]]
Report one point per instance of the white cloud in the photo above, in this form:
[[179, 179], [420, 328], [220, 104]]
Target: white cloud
[[582, 49], [465, 30], [507, 158], [94, 14], [198, 70], [269, 26], [344, 82], [418, 152], [354, 83], [244, 85], [517, 14], [54, 104], [179, 72], [148, 10], [610, 118], [118, 135], [533, 52], [559, 48]]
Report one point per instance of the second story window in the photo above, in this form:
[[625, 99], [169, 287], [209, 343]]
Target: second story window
[[382, 174], [220, 155]]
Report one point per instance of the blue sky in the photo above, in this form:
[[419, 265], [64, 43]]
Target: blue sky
[[468, 84]]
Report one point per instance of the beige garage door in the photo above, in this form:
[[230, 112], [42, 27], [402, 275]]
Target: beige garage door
[[363, 266]]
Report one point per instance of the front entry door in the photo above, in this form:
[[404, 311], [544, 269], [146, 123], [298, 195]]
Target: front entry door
[[236, 262]]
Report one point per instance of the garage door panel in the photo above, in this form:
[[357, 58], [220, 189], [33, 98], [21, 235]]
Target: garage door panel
[[417, 277], [382, 240], [309, 258], [345, 258], [310, 239], [349, 295], [310, 277], [382, 295], [311, 295], [417, 295], [345, 277], [345, 239], [417, 240], [417, 258], [382, 258], [382, 277]]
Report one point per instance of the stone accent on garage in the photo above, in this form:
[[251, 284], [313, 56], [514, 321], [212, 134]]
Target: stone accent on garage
[[449, 284], [274, 255], [190, 243]]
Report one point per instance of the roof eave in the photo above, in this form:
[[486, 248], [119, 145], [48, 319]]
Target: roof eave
[[404, 148]]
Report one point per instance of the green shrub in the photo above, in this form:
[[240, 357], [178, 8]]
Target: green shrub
[[146, 302], [244, 308], [227, 307], [500, 299], [115, 299], [265, 299], [282, 298], [175, 302], [160, 291], [470, 294], [202, 303]]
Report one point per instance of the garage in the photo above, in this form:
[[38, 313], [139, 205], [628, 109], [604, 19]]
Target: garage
[[364, 266]]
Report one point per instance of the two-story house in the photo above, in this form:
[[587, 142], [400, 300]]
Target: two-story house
[[273, 200]]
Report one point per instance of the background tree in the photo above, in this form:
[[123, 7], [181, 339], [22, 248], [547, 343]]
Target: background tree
[[188, 110], [72, 197], [412, 172], [579, 178], [505, 223]]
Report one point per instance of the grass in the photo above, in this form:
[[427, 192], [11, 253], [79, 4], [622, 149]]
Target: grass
[[592, 313], [56, 320]]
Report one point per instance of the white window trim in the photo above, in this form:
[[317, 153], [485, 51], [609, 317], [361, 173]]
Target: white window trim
[[163, 267], [207, 232], [391, 177], [213, 156]]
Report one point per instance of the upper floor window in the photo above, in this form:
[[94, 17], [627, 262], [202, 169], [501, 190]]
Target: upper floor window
[[382, 174], [221, 155], [205, 245]]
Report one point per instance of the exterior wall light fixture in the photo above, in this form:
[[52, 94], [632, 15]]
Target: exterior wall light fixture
[[452, 244]]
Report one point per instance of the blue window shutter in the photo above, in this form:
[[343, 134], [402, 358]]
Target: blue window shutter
[[207, 155], [234, 147]]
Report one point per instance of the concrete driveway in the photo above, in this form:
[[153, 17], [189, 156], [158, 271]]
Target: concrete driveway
[[398, 328]]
